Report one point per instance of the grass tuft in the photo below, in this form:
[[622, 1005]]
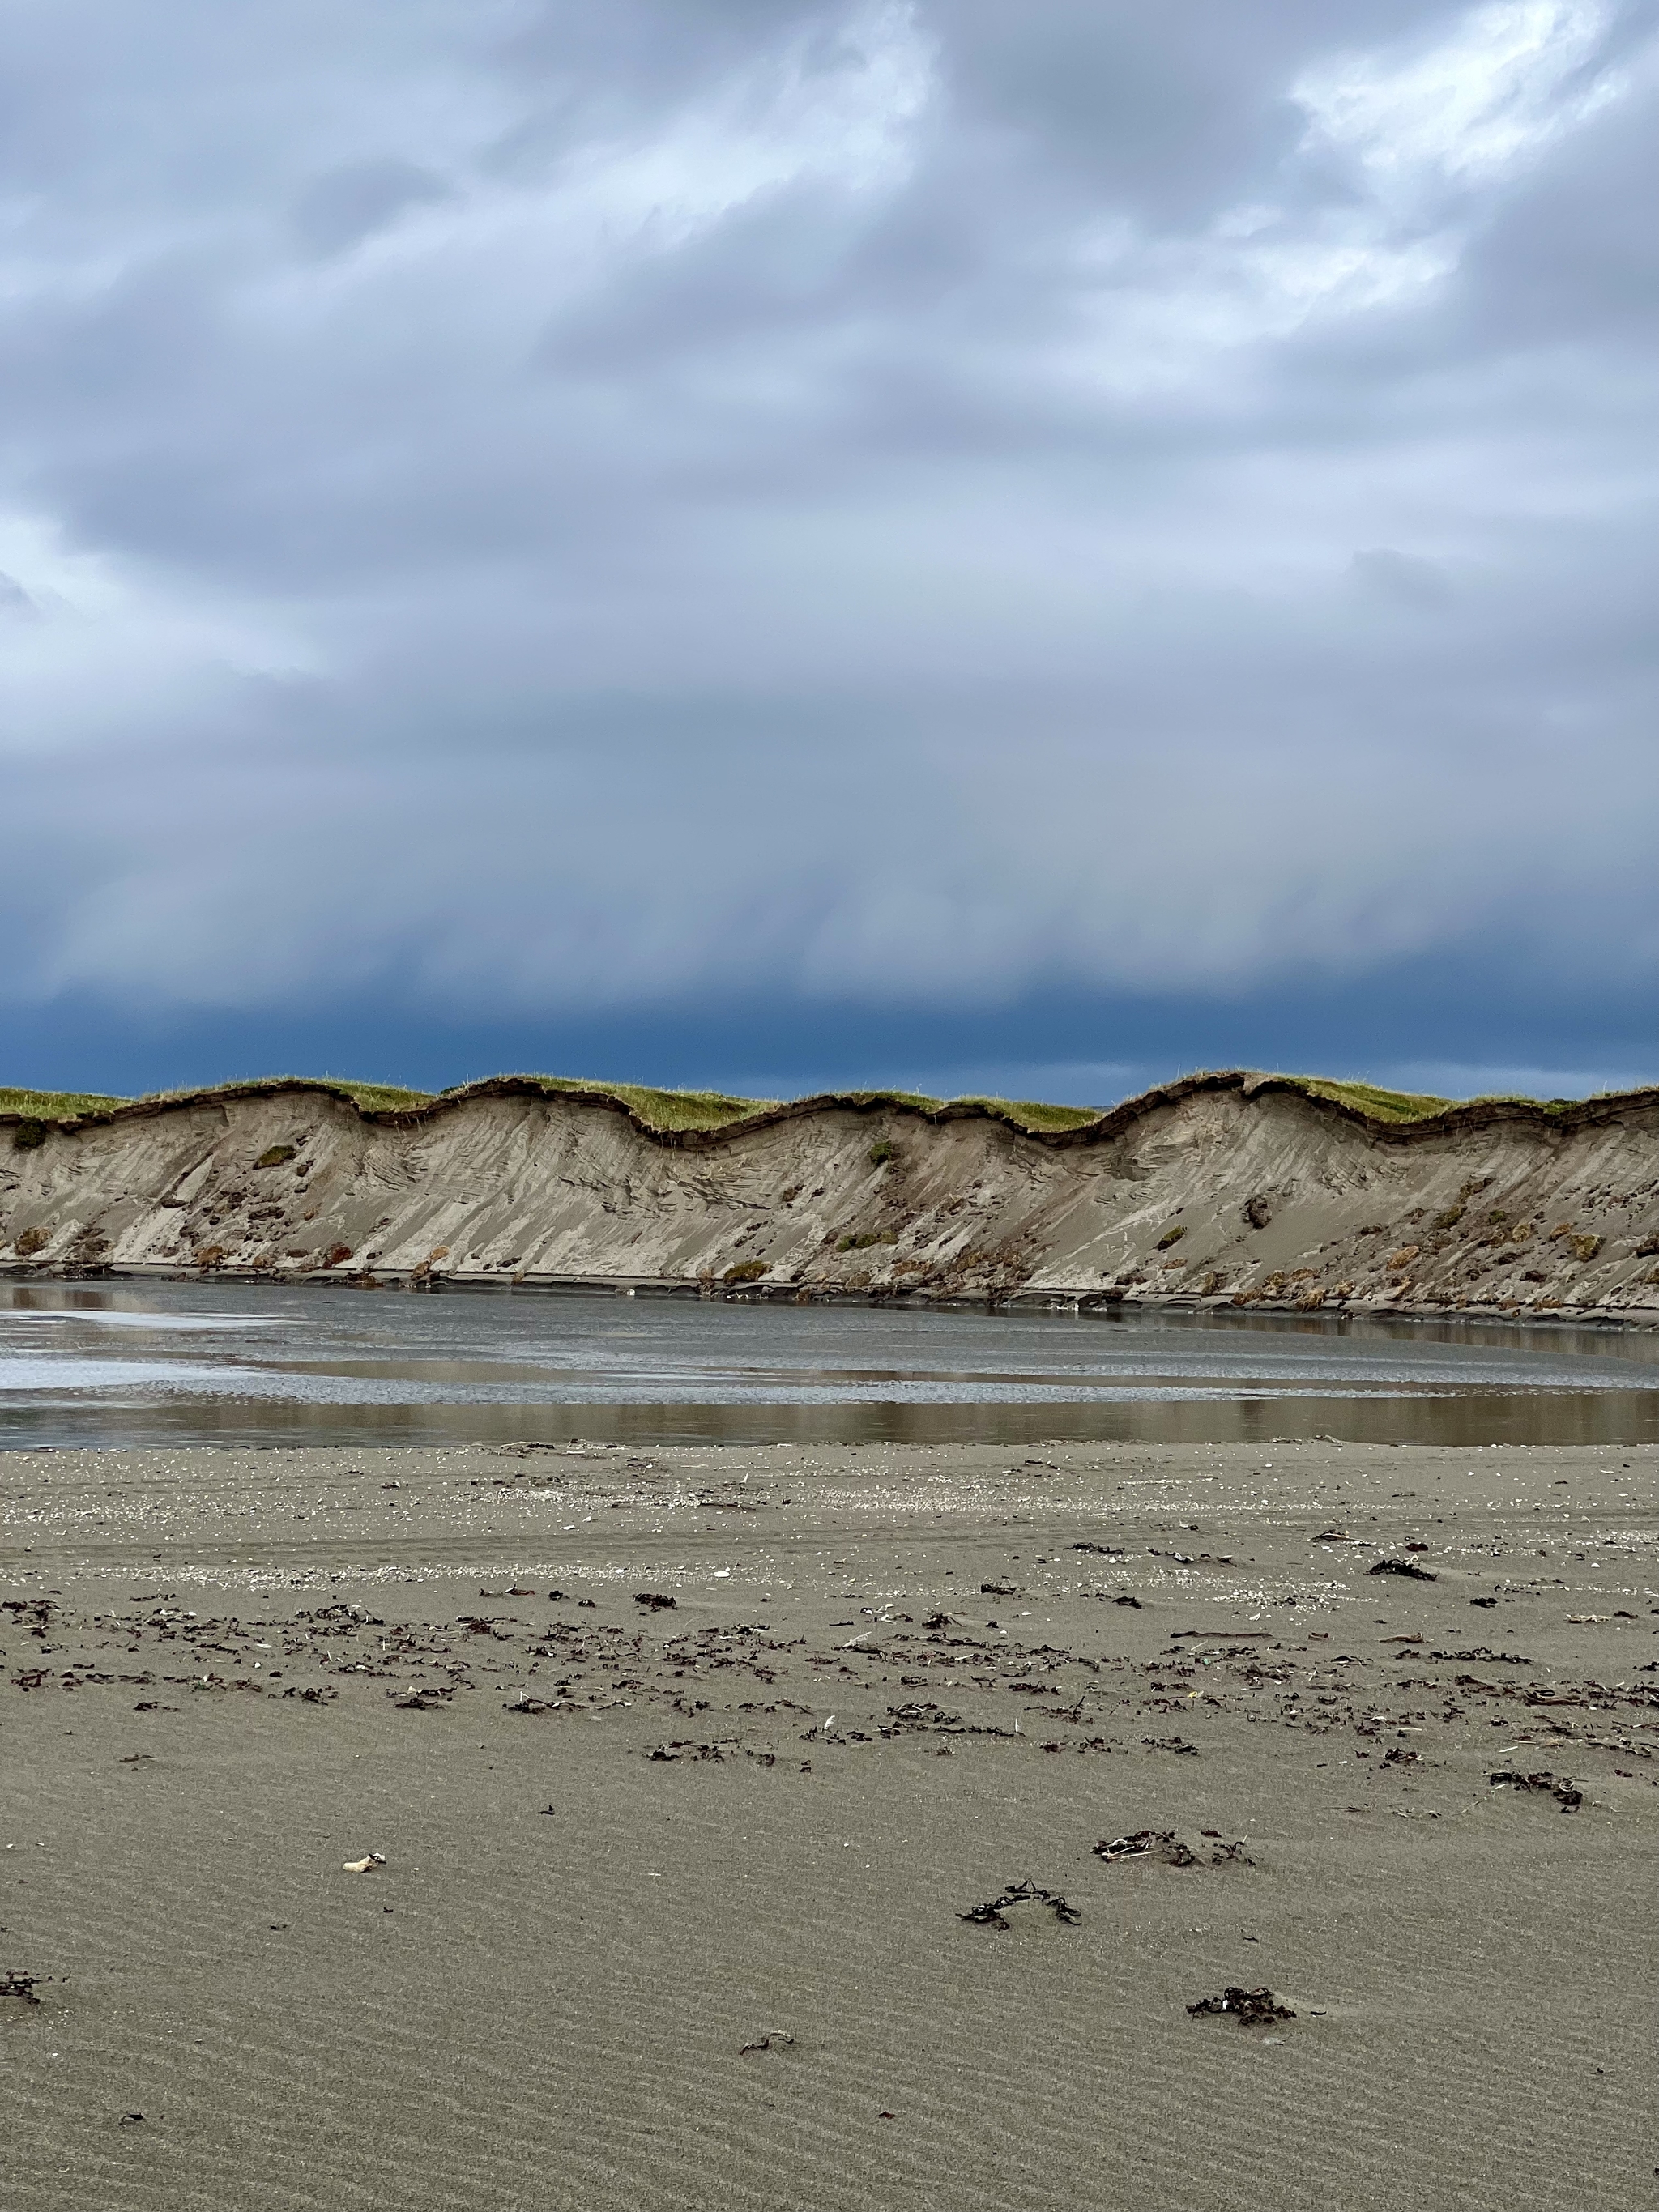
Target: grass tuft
[[1380, 1105], [55, 1105], [1032, 1114], [664, 1109]]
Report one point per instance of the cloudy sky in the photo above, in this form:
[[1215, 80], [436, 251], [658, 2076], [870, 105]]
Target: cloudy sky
[[1016, 543]]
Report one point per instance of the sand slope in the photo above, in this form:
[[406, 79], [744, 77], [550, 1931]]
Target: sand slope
[[1230, 1186]]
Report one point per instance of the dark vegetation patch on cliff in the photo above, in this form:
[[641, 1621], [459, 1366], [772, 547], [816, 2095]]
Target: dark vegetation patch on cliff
[[692, 1115]]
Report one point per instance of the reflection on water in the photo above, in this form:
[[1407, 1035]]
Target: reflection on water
[[190, 1363]]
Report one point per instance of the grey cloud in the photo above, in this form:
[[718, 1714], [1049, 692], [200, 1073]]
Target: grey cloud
[[1405, 578], [1574, 254], [348, 205], [651, 49], [911, 506], [586, 74], [1161, 112]]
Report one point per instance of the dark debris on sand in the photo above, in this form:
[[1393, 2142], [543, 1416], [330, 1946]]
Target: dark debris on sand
[[1170, 1849], [991, 1913], [1257, 2007], [1545, 1785], [935, 1683]]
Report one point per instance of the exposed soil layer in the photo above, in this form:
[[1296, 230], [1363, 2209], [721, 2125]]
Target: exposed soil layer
[[1234, 1187]]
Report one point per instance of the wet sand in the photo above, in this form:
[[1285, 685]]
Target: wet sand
[[625, 1844]]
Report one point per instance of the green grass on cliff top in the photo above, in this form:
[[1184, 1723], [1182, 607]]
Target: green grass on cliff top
[[713, 1109], [55, 1105], [1410, 1105]]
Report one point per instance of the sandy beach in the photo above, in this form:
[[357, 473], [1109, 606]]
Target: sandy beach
[[661, 1904]]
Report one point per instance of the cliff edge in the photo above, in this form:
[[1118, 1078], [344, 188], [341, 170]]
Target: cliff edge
[[1230, 1188]]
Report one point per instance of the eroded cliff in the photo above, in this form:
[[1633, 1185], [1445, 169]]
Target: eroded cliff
[[1233, 1187]]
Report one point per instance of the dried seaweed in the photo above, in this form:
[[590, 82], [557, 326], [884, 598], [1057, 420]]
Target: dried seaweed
[[991, 1913]]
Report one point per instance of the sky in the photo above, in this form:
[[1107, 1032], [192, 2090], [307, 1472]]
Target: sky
[[967, 545]]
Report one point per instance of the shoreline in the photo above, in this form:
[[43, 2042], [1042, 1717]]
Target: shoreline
[[1057, 1299]]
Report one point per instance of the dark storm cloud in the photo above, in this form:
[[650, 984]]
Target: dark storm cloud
[[555, 509]]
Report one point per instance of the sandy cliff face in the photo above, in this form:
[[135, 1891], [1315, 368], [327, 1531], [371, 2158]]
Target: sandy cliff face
[[1229, 1188]]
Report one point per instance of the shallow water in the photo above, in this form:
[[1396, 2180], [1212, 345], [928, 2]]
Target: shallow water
[[196, 1362]]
